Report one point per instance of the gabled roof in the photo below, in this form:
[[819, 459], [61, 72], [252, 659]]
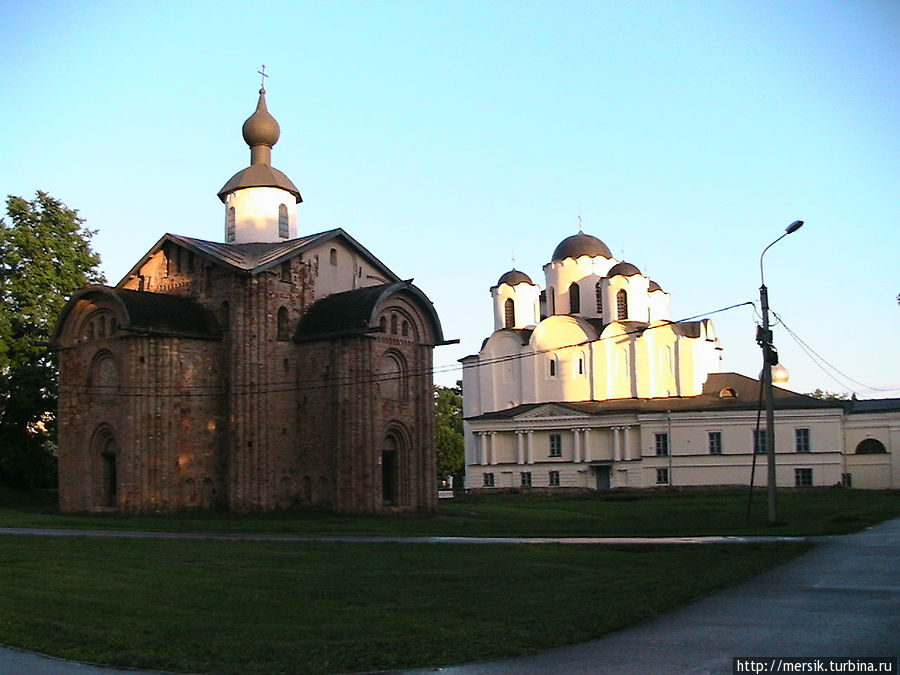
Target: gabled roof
[[721, 391], [354, 313], [253, 259]]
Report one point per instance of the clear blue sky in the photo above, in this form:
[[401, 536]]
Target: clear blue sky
[[449, 136]]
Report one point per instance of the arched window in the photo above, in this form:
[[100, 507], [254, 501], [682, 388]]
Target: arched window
[[283, 229], [509, 313], [551, 300], [229, 225], [284, 324], [393, 324], [598, 291], [553, 366], [393, 378], [405, 329], [871, 446], [621, 305], [574, 298], [332, 256]]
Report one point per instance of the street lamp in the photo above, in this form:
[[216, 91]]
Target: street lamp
[[770, 358]]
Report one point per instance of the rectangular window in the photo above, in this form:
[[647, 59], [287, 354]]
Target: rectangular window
[[488, 480], [526, 478], [662, 445], [803, 477], [801, 440], [554, 479], [715, 442], [759, 441], [555, 445], [662, 476]]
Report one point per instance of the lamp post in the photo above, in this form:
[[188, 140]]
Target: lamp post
[[770, 358]]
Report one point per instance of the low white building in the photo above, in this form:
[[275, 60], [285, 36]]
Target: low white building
[[589, 384]]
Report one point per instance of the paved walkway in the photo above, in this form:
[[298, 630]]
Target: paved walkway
[[841, 599]]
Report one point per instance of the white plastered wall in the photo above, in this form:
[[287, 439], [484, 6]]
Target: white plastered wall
[[256, 214]]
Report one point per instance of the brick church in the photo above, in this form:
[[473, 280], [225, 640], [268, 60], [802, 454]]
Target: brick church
[[271, 371]]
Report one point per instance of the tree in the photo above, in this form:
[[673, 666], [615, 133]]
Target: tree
[[449, 429], [45, 255], [829, 395]]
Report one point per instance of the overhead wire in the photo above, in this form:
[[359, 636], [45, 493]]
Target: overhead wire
[[321, 382]]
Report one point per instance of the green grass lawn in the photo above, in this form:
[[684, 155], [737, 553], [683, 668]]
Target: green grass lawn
[[276, 607], [208, 606], [626, 513]]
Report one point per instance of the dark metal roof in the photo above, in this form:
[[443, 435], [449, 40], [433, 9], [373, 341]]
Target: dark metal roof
[[259, 175], [354, 313], [578, 245], [626, 269], [255, 258], [514, 277], [746, 397], [149, 313], [653, 286], [874, 405]]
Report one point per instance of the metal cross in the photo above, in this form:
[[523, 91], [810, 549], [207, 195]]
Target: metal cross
[[262, 81]]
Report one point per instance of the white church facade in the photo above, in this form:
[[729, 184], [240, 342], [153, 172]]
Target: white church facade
[[587, 383]]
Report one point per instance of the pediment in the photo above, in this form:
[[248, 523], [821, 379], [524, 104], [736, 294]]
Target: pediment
[[551, 411]]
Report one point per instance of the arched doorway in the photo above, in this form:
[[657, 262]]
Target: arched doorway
[[389, 461], [104, 447]]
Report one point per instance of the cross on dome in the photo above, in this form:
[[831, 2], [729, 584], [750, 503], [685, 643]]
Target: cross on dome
[[262, 79]]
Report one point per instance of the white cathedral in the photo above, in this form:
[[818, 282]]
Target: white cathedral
[[589, 384]]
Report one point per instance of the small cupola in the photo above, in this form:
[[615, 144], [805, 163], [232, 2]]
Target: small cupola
[[260, 201]]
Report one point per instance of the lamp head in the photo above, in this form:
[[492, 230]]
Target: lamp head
[[793, 227]]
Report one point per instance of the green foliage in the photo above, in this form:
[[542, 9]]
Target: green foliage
[[45, 256], [829, 395], [448, 429]]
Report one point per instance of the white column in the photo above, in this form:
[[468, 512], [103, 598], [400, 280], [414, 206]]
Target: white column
[[530, 447], [627, 442], [479, 448], [587, 445], [493, 443], [617, 451], [576, 457], [520, 447]]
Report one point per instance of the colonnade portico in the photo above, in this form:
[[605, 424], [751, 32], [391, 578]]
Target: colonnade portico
[[585, 448]]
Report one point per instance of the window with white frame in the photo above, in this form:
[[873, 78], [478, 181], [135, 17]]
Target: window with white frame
[[554, 479], [526, 478], [801, 440], [803, 477], [488, 479], [662, 476], [662, 445], [715, 442], [556, 445]]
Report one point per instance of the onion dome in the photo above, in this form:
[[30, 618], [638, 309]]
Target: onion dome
[[653, 286], [580, 244], [514, 277], [261, 132], [624, 269], [261, 128]]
